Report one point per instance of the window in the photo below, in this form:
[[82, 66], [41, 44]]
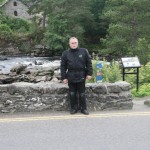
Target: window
[[15, 13], [15, 3]]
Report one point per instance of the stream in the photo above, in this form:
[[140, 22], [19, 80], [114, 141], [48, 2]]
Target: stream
[[31, 62]]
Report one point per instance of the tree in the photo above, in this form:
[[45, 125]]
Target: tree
[[66, 18], [70, 18], [128, 22], [96, 29], [39, 8]]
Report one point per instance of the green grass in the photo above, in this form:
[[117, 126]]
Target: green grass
[[144, 90]]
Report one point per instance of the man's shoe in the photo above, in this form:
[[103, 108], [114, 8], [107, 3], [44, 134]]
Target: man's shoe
[[73, 111], [85, 112]]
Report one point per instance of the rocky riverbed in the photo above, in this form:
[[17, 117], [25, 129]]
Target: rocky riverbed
[[29, 69]]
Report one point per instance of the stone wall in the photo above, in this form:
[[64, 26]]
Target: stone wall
[[20, 9], [29, 97]]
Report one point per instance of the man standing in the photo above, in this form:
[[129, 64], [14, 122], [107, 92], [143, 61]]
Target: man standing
[[76, 67]]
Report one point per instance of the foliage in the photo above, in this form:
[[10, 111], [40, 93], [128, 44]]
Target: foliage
[[66, 18], [142, 50], [129, 31], [2, 1], [23, 34], [144, 80], [144, 90], [95, 28], [5, 31], [14, 29], [56, 36], [25, 47], [145, 74], [15, 24], [112, 27], [111, 72], [36, 33], [65, 22]]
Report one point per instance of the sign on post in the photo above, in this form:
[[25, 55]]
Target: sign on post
[[99, 72], [131, 62]]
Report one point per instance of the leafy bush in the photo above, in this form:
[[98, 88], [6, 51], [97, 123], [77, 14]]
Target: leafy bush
[[111, 72], [142, 49], [144, 90], [19, 32], [145, 74], [144, 80], [25, 47], [5, 31], [15, 24]]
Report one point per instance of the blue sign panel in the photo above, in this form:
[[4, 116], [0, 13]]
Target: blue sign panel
[[99, 72]]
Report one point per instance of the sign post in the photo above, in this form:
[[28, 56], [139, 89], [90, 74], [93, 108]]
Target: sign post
[[99, 72], [131, 62]]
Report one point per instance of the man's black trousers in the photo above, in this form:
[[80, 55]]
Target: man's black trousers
[[77, 95]]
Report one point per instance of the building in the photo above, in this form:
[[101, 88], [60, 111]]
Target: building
[[16, 9]]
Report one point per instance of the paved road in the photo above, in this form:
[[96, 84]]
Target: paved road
[[110, 130]]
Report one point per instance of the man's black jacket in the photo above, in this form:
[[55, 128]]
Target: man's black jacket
[[75, 65]]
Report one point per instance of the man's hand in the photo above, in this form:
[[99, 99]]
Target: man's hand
[[88, 77], [65, 81]]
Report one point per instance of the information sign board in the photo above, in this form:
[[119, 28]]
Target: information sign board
[[130, 62]]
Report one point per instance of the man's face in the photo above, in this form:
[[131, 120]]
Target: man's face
[[73, 43]]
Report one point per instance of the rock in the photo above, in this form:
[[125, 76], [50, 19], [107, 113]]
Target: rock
[[147, 102], [40, 71], [33, 99], [1, 106], [2, 66], [26, 72], [42, 78], [38, 62], [5, 111], [6, 79], [18, 68], [38, 105], [39, 46], [99, 89], [3, 58], [57, 74], [54, 80], [23, 77], [8, 102], [12, 74]]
